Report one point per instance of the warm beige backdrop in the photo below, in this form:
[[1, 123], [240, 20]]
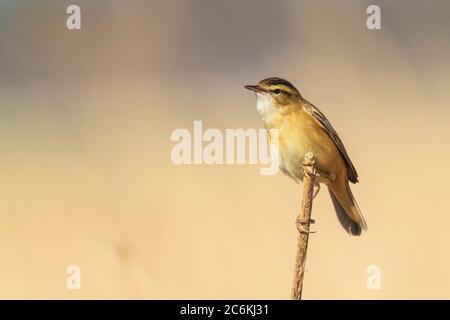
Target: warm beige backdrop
[[86, 176]]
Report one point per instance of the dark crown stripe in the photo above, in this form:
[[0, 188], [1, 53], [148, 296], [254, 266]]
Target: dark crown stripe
[[274, 81], [278, 81]]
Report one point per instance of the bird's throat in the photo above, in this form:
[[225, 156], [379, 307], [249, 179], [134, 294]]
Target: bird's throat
[[266, 108]]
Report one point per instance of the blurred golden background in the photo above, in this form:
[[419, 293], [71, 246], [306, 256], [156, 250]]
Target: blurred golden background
[[86, 175]]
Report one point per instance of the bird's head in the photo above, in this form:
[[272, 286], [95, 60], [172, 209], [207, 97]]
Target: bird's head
[[277, 91], [272, 96]]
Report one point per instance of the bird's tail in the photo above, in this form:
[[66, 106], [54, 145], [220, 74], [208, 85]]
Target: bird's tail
[[347, 209]]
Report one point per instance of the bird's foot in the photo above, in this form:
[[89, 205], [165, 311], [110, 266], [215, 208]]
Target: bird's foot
[[300, 228], [311, 221]]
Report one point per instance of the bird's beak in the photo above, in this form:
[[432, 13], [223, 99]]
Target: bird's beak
[[254, 88]]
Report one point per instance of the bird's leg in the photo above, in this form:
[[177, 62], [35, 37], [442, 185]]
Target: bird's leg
[[325, 177], [316, 192]]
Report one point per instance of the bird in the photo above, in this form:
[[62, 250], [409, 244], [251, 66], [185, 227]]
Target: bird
[[303, 128]]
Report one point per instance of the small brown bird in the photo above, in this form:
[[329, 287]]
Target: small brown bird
[[303, 128]]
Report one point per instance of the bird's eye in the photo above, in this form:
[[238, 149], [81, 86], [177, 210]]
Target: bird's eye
[[277, 91]]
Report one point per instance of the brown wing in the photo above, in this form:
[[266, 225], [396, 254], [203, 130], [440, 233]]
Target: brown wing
[[326, 125]]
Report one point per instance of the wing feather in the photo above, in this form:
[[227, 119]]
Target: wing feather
[[326, 125]]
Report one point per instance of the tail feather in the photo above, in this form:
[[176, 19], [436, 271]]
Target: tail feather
[[362, 222], [352, 226], [346, 222]]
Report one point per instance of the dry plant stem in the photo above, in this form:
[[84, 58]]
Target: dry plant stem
[[303, 223]]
